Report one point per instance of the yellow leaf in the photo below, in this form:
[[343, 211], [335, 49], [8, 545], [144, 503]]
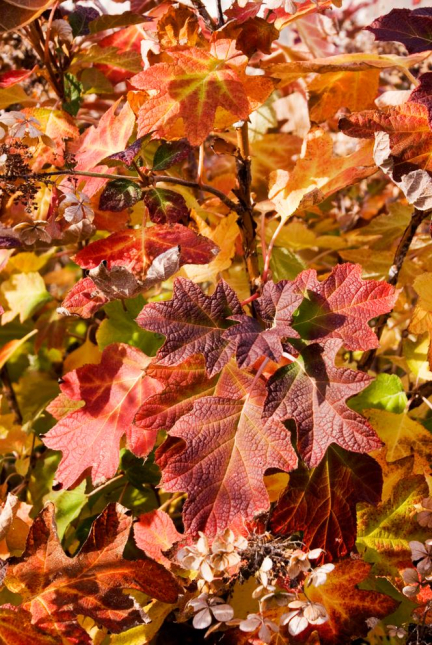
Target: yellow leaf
[[224, 235], [331, 92], [88, 352], [295, 236], [318, 174], [24, 294], [157, 612], [275, 485], [403, 437], [416, 356], [28, 262], [7, 351]]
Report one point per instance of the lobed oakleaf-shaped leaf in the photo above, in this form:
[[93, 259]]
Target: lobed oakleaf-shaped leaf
[[313, 392], [342, 305], [318, 174], [119, 194], [134, 249], [16, 628], [409, 139], [193, 323], [166, 206], [347, 606], [413, 28], [182, 385], [384, 532], [204, 89], [155, 533], [225, 450], [275, 307], [110, 135], [322, 502], [89, 437], [55, 588]]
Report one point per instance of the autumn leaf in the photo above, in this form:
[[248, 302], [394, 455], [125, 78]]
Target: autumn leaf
[[155, 533], [14, 15], [384, 532], [133, 249], [412, 27], [16, 628], [97, 142], [193, 324], [348, 606], [206, 89], [342, 305], [275, 307], [84, 299], [56, 588], [182, 385], [166, 206], [318, 174], [312, 391], [89, 437], [228, 447], [322, 502]]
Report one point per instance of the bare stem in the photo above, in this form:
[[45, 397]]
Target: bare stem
[[246, 220], [10, 396], [393, 276], [200, 7]]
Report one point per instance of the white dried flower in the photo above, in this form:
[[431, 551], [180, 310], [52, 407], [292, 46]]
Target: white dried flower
[[422, 555], [257, 622], [319, 575], [196, 558], [225, 549], [299, 561], [412, 582], [396, 632], [21, 125], [76, 207], [303, 613], [208, 607], [31, 232], [424, 518]]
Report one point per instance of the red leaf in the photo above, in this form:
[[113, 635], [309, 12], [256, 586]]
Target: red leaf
[[193, 87], [84, 299], [16, 629], [193, 324], [154, 533], [134, 249], [56, 588], [423, 94], [89, 437], [275, 308], [166, 206], [14, 76], [228, 448], [312, 391], [342, 305], [413, 28], [322, 502], [183, 384]]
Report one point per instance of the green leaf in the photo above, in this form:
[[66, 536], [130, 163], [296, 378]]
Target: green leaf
[[119, 194], [94, 82], [73, 90], [120, 327], [131, 61], [170, 153], [385, 393], [285, 265]]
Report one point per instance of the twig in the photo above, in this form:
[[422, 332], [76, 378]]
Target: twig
[[246, 220], [221, 20], [200, 7], [10, 396], [400, 255], [157, 179]]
